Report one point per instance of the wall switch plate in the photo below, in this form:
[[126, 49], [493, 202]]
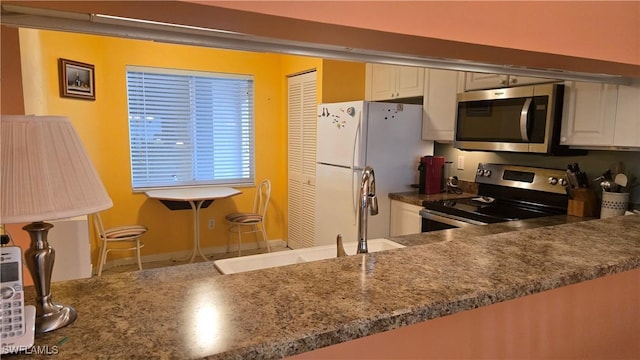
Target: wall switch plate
[[212, 224], [460, 162]]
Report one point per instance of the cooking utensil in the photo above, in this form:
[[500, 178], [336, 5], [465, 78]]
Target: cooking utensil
[[605, 185], [621, 179]]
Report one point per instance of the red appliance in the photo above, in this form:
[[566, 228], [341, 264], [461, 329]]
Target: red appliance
[[431, 174]]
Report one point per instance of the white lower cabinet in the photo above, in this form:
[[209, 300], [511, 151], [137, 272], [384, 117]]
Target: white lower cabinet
[[441, 88], [405, 219]]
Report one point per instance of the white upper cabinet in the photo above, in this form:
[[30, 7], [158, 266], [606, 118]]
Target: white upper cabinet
[[441, 88], [478, 81], [627, 129], [589, 114], [390, 82]]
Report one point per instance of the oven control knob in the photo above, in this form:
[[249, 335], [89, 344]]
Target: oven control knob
[[553, 180], [563, 182], [479, 172], [486, 173]]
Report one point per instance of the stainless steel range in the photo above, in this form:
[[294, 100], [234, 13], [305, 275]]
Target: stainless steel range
[[505, 193]]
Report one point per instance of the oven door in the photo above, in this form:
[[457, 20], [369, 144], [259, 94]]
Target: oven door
[[434, 220]]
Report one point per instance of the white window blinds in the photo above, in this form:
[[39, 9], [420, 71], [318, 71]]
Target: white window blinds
[[189, 128]]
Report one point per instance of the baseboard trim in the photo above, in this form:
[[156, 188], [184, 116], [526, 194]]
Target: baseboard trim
[[182, 254]]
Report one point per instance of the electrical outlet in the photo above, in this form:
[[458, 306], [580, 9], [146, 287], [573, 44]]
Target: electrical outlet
[[212, 224], [460, 162]]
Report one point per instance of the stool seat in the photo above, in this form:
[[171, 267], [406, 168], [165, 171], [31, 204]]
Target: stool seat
[[125, 231], [244, 218]]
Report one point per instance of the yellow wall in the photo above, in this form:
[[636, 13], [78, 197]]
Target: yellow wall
[[103, 126], [342, 81]]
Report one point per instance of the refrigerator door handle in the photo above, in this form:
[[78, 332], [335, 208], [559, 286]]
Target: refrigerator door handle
[[355, 145], [354, 169], [354, 201]]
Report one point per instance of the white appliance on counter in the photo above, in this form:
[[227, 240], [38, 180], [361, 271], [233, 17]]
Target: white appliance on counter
[[351, 135]]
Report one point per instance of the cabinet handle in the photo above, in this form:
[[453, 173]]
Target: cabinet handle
[[503, 82], [513, 80]]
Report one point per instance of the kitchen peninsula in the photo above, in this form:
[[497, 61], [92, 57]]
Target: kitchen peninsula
[[191, 311]]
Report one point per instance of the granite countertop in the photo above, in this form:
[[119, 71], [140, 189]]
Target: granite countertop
[[190, 311], [413, 198]]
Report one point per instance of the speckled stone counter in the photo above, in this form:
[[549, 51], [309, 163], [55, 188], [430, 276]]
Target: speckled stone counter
[[191, 311], [412, 197]]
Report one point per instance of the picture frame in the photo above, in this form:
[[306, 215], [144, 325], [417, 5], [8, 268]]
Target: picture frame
[[77, 79]]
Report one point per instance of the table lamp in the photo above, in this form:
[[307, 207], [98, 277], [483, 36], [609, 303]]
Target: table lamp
[[45, 174]]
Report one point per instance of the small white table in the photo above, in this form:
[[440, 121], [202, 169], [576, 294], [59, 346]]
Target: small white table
[[195, 197]]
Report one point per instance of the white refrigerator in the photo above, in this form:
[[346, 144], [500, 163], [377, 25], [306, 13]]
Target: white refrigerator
[[351, 135]]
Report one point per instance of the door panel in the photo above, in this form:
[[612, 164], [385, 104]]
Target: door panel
[[340, 133], [335, 204]]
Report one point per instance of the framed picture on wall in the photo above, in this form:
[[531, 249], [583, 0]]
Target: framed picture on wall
[[77, 80]]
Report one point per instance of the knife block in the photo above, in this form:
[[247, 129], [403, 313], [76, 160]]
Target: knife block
[[582, 203]]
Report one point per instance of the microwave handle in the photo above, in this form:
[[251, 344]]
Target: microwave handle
[[524, 120]]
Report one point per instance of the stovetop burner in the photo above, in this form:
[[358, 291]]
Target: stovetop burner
[[497, 211], [507, 193]]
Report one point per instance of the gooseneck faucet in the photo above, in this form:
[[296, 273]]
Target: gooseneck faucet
[[369, 200]]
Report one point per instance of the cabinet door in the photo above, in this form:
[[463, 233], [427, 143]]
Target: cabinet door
[[589, 114], [441, 88], [405, 219], [477, 81], [382, 82], [389, 82], [627, 130], [409, 81]]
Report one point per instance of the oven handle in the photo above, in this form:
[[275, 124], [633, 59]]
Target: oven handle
[[448, 218]]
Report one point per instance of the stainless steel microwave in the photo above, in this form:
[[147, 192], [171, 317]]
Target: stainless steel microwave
[[516, 119]]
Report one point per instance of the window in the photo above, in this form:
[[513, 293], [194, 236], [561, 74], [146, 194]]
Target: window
[[189, 128]]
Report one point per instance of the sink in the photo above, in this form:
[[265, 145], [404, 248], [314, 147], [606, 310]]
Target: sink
[[282, 258]]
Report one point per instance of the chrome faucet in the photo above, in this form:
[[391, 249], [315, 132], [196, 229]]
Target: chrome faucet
[[367, 199]]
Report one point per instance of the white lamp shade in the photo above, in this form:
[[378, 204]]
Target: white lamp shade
[[46, 172]]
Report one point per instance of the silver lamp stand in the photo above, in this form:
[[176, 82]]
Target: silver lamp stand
[[39, 259]]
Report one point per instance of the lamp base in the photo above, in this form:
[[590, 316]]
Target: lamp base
[[54, 316], [39, 259]]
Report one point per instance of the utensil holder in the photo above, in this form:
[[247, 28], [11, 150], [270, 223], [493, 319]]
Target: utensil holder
[[583, 203], [614, 204]]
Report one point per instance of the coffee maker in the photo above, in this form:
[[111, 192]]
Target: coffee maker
[[431, 175]]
